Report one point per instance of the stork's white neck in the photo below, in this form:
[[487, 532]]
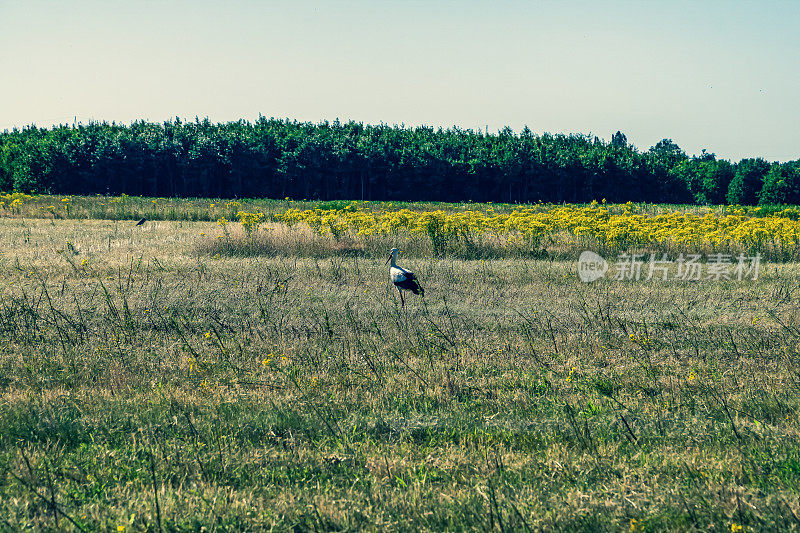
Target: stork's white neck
[[393, 264]]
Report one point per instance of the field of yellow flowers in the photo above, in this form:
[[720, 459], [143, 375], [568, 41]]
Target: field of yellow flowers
[[594, 226], [480, 230]]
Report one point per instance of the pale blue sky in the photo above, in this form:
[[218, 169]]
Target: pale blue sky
[[719, 75]]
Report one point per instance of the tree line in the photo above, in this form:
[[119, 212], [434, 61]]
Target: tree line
[[275, 158]]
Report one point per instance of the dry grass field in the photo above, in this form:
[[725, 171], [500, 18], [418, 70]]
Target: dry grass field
[[150, 382]]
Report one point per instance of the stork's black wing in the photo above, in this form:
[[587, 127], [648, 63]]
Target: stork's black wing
[[411, 284]]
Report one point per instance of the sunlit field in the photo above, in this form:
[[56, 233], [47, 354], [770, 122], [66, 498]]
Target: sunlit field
[[246, 365]]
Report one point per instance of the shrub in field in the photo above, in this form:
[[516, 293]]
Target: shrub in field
[[13, 202], [250, 221]]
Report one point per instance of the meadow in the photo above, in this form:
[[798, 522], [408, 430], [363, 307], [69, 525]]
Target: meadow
[[246, 366]]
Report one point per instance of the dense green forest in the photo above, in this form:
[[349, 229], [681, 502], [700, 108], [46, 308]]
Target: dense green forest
[[282, 158]]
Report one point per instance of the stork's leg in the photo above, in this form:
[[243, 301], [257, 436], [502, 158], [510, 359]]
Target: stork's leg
[[402, 301]]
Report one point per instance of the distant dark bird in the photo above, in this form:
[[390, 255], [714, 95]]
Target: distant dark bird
[[403, 279], [141, 222]]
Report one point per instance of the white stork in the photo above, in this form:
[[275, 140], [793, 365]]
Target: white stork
[[402, 278]]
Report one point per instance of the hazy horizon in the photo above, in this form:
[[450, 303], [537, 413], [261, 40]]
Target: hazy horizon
[[718, 76]]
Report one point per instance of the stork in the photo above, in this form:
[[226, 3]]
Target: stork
[[402, 278]]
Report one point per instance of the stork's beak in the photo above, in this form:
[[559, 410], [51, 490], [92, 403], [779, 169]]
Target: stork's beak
[[388, 259]]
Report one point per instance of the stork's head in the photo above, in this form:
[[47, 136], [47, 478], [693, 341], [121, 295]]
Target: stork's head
[[392, 255]]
